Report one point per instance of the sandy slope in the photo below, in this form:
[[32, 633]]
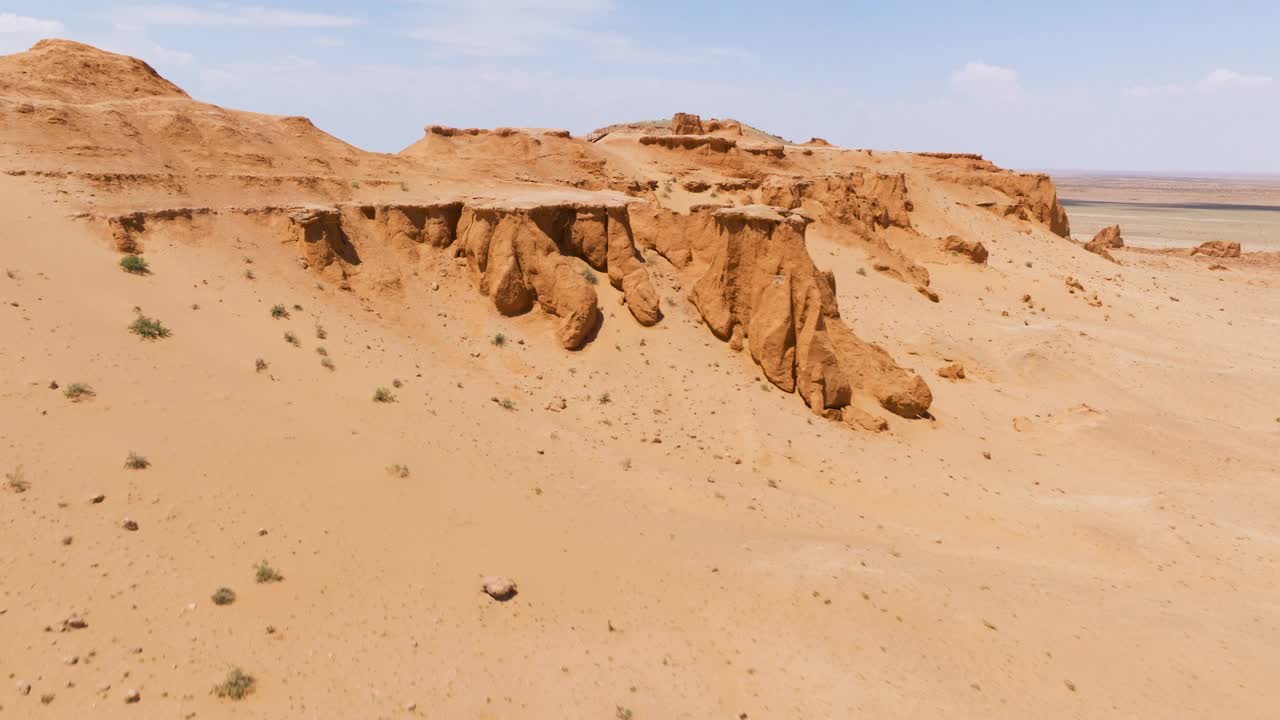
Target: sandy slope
[[1115, 556]]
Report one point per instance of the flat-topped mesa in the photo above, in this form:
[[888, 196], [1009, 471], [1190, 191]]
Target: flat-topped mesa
[[446, 131], [763, 290]]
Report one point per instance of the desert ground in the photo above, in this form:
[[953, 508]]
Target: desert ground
[[756, 428]]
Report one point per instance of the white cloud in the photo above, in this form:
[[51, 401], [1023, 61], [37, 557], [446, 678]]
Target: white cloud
[[990, 82], [11, 23], [1218, 80], [254, 16], [1222, 79]]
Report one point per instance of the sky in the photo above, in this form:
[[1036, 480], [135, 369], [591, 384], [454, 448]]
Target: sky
[[1167, 86]]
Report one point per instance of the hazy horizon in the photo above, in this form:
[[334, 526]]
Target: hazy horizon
[[1161, 87]]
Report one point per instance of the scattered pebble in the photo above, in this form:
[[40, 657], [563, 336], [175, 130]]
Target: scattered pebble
[[501, 589], [132, 696], [130, 524]]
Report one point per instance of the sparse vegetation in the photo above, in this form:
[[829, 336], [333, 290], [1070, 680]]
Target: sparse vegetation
[[297, 307], [383, 395], [136, 461], [398, 470], [327, 364], [279, 311], [862, 271], [134, 265], [292, 339], [224, 596], [506, 404], [499, 340], [77, 391], [605, 398], [623, 713], [321, 334], [264, 573], [236, 685], [396, 383], [322, 352], [404, 187], [590, 276], [248, 274], [626, 463], [15, 481], [148, 328], [259, 364]]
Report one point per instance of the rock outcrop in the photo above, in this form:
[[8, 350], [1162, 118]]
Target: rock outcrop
[[1108, 237], [971, 249], [1218, 248], [762, 288], [686, 124]]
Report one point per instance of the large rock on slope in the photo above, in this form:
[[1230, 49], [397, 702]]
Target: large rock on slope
[[1108, 237], [686, 124], [1218, 248]]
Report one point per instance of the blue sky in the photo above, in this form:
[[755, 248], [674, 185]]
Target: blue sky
[[1163, 86]]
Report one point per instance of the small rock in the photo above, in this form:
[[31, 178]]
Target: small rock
[[954, 371], [71, 660], [262, 532], [500, 588], [410, 707], [94, 500], [130, 524], [435, 286], [53, 384], [24, 687], [75, 622], [104, 687], [132, 696]]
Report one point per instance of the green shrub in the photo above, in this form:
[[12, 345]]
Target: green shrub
[[264, 573], [134, 265], [292, 339], [77, 391], [327, 364], [499, 340], [383, 395], [15, 482], [259, 364], [224, 596], [590, 276], [237, 684], [605, 398], [398, 470], [136, 461], [278, 311], [148, 328]]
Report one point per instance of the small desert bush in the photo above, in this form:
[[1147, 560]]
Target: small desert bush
[[264, 573], [398, 470], [15, 482], [279, 311], [224, 596], [292, 339], [237, 684], [327, 364], [322, 352], [605, 398], [136, 461], [259, 364], [248, 274], [589, 276], [321, 333], [862, 271], [506, 404], [78, 391], [148, 328], [383, 395], [499, 340], [134, 265]]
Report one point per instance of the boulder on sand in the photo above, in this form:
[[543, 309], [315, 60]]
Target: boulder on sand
[[1218, 248]]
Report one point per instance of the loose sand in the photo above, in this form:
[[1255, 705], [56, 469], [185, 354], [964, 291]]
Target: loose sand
[[1085, 526]]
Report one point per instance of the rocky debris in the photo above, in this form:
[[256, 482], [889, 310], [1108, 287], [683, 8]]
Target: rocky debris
[[1098, 246], [1218, 249], [933, 296], [817, 142], [23, 687], [762, 286], [1109, 237], [557, 404], [1074, 284], [954, 371], [696, 185], [74, 622], [686, 124], [501, 589], [971, 249], [130, 524], [132, 696]]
